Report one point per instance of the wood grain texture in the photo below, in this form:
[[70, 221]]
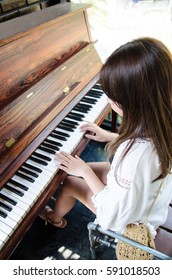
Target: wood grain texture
[[25, 118], [28, 59]]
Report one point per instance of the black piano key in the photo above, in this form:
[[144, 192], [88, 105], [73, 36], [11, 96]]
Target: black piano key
[[85, 106], [29, 172], [5, 206], [13, 190], [41, 156], [89, 100], [36, 169], [80, 109], [97, 86], [93, 93], [72, 123], [69, 123], [38, 160], [3, 214], [53, 142], [50, 146], [88, 106], [61, 136], [65, 127], [57, 136], [11, 201], [45, 149], [76, 114], [74, 117], [62, 133], [19, 185], [27, 178]]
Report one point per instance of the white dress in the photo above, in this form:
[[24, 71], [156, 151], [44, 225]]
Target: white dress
[[128, 199]]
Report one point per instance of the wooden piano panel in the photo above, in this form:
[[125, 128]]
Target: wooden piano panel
[[33, 55], [21, 121]]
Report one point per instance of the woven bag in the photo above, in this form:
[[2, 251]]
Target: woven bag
[[139, 233]]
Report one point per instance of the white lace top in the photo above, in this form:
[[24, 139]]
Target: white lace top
[[128, 199]]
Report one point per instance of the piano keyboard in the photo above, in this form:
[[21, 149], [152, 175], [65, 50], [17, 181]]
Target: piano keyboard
[[21, 192]]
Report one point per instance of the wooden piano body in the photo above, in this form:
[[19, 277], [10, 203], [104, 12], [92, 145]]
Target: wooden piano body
[[48, 63]]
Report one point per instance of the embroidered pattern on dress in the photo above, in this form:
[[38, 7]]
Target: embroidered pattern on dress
[[140, 140], [137, 140], [124, 182]]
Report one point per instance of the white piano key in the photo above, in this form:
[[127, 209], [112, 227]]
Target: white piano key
[[35, 185], [23, 205], [44, 172], [24, 198], [3, 237], [6, 229], [66, 146], [8, 221], [27, 193], [1, 244], [17, 211], [14, 216], [51, 162]]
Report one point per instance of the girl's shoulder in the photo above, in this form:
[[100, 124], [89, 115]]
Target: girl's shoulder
[[138, 146], [141, 159]]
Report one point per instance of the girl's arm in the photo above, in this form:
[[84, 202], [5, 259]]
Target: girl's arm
[[98, 134], [77, 167]]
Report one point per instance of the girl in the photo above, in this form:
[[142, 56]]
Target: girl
[[137, 78]]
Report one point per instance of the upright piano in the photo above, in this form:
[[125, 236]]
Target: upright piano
[[49, 71]]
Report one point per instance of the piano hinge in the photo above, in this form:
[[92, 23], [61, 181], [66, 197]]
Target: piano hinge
[[30, 94], [10, 142], [63, 68], [88, 49], [66, 90]]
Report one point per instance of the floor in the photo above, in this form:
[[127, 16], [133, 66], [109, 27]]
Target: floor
[[71, 243]]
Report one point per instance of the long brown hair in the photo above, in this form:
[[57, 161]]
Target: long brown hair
[[138, 77]]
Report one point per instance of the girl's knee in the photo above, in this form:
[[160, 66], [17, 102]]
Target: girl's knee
[[69, 184]]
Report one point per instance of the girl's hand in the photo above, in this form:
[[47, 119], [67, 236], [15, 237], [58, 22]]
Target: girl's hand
[[98, 133], [72, 165], [77, 167]]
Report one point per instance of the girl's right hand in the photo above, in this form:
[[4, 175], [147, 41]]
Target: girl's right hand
[[97, 133]]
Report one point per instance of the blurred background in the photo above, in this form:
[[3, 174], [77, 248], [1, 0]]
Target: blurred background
[[114, 22]]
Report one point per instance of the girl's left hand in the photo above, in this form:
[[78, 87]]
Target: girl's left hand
[[72, 165]]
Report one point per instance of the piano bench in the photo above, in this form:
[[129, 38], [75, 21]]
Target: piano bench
[[98, 236], [163, 239]]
